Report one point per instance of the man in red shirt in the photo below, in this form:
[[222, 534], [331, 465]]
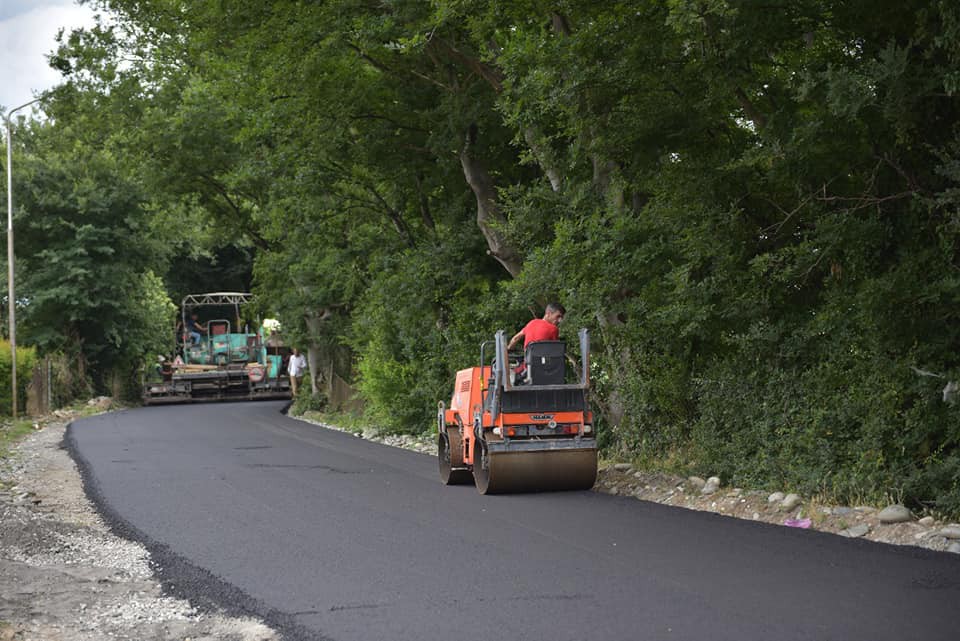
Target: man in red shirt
[[541, 329]]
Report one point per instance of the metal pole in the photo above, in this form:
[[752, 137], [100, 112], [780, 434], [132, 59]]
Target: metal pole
[[11, 300]]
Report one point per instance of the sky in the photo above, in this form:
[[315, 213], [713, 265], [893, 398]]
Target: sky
[[27, 32]]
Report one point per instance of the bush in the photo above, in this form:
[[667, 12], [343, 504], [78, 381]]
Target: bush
[[26, 359], [856, 425], [307, 401]]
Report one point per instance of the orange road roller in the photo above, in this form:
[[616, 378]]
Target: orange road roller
[[519, 432]]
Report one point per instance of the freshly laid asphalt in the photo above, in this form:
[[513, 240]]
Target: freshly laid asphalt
[[327, 536]]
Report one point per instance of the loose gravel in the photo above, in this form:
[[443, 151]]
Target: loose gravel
[[64, 576]]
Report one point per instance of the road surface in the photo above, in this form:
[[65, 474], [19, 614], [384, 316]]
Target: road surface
[[327, 536]]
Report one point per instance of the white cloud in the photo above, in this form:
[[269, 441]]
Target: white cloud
[[25, 41]]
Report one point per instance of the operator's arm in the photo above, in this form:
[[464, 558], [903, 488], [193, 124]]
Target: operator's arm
[[513, 341]]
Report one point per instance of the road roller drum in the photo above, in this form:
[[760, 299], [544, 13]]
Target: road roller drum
[[499, 472]]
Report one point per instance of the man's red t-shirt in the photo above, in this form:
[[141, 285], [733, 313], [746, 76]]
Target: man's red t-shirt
[[539, 330]]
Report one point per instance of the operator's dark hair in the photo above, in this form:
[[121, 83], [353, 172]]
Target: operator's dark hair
[[556, 307]]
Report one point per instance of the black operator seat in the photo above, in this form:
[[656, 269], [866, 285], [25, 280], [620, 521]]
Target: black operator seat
[[545, 362]]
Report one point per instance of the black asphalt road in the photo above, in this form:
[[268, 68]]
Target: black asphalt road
[[328, 536]]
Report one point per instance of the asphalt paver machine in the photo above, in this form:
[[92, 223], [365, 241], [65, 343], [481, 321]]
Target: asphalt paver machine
[[229, 362]]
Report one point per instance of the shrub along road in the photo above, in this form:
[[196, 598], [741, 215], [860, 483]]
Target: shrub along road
[[327, 536]]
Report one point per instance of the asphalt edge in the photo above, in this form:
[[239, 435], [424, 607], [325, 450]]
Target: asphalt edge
[[179, 577]]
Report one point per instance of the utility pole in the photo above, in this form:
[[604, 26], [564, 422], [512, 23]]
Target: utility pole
[[11, 297]]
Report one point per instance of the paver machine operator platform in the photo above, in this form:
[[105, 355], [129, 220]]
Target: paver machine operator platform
[[510, 432]]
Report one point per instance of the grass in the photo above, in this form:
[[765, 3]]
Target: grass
[[12, 433]]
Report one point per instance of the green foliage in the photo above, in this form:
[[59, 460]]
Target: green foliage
[[307, 401], [416, 325], [84, 258], [754, 208], [10, 434], [26, 359]]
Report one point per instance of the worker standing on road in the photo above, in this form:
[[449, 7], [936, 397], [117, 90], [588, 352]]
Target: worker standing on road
[[295, 368], [541, 329]]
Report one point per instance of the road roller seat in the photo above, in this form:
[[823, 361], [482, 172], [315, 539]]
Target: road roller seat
[[545, 362]]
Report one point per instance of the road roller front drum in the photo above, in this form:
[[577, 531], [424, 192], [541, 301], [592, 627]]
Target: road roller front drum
[[497, 471]]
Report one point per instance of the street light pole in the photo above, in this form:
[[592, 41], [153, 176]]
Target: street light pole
[[11, 298]]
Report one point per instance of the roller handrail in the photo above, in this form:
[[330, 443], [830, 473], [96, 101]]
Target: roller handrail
[[501, 365]]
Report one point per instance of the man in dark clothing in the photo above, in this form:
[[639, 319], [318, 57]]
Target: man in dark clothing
[[194, 327]]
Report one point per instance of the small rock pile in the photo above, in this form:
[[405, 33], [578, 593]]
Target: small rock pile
[[425, 444]]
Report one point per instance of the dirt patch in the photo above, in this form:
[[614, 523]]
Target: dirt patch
[[65, 577]]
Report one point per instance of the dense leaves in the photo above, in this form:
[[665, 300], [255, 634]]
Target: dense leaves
[[754, 207]]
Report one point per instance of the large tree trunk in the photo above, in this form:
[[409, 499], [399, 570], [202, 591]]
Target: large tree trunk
[[489, 216]]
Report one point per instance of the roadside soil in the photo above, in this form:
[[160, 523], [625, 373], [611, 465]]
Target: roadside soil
[[64, 576]]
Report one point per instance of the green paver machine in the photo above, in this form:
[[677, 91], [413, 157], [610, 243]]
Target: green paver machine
[[228, 362]]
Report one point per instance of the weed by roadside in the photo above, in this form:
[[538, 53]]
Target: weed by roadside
[[11, 432]]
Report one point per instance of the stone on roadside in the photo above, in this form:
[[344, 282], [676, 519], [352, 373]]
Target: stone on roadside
[[951, 532], [790, 501], [776, 497], [622, 467], [696, 482], [856, 531], [712, 485], [927, 521], [100, 402], [954, 547], [895, 514]]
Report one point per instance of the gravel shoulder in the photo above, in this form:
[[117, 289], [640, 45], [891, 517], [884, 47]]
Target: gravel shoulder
[[64, 576]]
